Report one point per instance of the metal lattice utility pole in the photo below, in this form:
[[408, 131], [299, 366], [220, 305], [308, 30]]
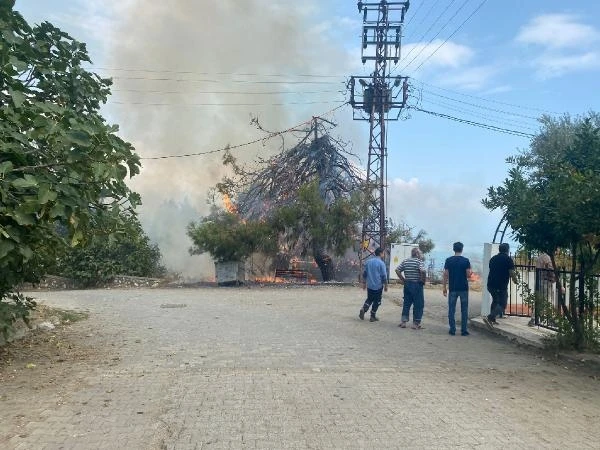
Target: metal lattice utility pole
[[380, 98]]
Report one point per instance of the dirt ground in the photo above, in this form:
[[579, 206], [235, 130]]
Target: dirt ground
[[45, 359]]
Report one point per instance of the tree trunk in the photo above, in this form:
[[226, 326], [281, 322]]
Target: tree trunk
[[325, 265]]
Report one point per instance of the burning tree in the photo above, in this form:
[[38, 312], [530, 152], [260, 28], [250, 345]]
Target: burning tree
[[310, 194]]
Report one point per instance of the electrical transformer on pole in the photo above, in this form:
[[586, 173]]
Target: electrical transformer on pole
[[379, 98]]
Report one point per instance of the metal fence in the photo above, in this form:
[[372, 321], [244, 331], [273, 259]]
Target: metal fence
[[537, 296]]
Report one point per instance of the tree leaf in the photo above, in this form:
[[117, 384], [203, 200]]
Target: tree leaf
[[6, 247], [22, 218], [21, 66], [45, 195], [26, 182], [5, 167], [58, 210], [18, 97], [26, 251], [79, 137]]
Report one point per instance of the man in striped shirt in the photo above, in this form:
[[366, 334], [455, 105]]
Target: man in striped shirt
[[411, 273]]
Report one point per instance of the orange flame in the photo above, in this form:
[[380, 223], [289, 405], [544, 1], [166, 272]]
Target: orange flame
[[228, 204]]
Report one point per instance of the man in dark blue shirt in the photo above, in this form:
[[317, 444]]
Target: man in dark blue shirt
[[501, 270], [457, 270]]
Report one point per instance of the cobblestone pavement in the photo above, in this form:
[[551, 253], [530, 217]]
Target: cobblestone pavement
[[292, 368]]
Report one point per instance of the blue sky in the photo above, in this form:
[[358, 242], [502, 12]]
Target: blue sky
[[507, 64]]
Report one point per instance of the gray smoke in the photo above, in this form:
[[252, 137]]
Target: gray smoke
[[213, 42]]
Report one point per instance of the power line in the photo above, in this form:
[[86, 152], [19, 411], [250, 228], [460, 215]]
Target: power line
[[192, 72], [428, 30], [486, 99], [287, 92], [476, 124], [245, 144], [226, 104], [189, 80], [425, 16], [453, 33], [482, 107], [437, 34], [416, 12], [500, 120], [158, 91]]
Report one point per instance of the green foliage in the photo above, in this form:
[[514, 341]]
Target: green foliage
[[226, 237], [62, 167], [551, 200], [126, 252], [551, 197], [402, 233], [310, 223]]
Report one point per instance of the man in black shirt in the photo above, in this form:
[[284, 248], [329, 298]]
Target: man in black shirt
[[457, 270], [501, 270]]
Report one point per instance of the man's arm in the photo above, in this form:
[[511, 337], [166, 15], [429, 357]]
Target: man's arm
[[399, 270], [445, 290]]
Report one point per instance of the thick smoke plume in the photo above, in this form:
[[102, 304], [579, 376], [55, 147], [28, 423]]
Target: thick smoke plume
[[189, 54]]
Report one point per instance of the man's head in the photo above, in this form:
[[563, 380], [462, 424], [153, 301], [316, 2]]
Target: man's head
[[415, 252], [458, 247], [378, 251], [503, 248]]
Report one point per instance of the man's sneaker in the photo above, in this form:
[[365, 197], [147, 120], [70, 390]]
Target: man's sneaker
[[464, 333], [417, 326], [361, 314], [489, 323], [373, 319], [452, 333], [402, 324], [531, 323]]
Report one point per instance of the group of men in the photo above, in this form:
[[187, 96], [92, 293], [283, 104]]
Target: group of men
[[457, 271], [411, 273]]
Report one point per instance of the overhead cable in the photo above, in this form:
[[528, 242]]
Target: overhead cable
[[484, 99], [245, 144], [476, 124], [482, 107], [422, 49], [451, 35]]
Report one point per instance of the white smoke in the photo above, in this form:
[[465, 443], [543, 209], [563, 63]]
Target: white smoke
[[192, 52]]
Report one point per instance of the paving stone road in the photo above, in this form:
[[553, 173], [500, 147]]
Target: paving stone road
[[293, 368]]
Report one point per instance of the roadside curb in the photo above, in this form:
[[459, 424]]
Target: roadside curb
[[534, 337]]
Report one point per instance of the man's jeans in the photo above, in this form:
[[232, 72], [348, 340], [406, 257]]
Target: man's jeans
[[464, 310], [499, 301], [413, 296]]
